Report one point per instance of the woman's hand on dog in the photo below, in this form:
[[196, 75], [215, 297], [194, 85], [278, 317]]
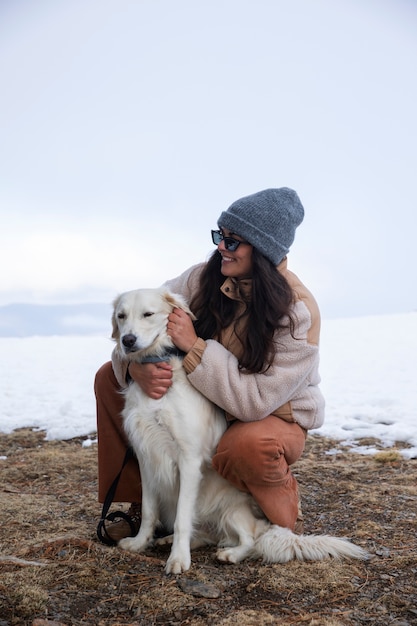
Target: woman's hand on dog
[[153, 378], [156, 378], [181, 330]]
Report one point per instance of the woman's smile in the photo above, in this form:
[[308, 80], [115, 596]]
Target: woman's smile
[[237, 264]]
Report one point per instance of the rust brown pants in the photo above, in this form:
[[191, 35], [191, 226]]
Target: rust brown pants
[[253, 456]]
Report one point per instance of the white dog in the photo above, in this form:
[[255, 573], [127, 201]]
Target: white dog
[[174, 439]]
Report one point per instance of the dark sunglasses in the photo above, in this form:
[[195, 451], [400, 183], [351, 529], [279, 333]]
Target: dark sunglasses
[[229, 243]]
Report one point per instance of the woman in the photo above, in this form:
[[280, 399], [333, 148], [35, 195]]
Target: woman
[[254, 351]]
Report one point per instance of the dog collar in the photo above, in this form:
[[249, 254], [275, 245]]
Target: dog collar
[[165, 356]]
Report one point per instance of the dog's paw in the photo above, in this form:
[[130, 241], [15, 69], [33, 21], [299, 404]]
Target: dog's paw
[[132, 545], [178, 564], [164, 541], [232, 555]]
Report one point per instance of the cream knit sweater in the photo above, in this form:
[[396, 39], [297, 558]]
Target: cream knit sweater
[[288, 389]]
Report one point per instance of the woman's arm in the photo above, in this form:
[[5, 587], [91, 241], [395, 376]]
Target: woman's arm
[[215, 372]]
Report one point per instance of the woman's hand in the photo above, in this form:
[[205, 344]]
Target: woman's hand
[[153, 378], [156, 378], [181, 330]]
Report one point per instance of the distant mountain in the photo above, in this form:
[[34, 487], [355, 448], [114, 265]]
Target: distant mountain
[[24, 320]]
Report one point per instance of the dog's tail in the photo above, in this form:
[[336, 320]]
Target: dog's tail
[[280, 545]]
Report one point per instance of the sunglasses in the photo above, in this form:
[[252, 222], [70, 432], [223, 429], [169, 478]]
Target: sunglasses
[[229, 243]]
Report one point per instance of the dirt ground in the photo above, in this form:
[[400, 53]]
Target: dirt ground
[[54, 571]]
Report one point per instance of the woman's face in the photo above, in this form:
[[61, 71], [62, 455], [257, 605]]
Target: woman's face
[[237, 264]]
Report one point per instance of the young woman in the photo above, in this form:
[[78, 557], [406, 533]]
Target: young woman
[[253, 351]]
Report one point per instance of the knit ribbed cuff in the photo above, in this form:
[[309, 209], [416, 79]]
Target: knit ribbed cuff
[[193, 357]]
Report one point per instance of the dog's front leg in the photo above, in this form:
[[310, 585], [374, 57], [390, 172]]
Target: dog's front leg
[[190, 476], [150, 515]]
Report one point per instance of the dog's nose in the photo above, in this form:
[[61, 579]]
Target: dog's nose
[[129, 340]]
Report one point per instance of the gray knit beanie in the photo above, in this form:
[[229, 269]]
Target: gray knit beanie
[[266, 219]]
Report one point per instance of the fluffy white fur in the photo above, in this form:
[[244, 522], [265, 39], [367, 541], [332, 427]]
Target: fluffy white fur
[[174, 439]]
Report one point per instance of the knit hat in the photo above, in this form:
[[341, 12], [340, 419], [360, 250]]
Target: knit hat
[[266, 219]]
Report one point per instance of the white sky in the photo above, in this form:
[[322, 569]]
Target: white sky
[[127, 127]]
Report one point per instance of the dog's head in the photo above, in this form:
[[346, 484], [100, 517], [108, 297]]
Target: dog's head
[[140, 318]]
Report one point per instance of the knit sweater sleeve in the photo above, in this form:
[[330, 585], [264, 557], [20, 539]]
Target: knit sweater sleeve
[[293, 377]]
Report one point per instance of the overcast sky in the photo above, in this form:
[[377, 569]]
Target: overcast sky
[[127, 126]]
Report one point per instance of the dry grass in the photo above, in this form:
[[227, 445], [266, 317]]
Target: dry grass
[[54, 570]]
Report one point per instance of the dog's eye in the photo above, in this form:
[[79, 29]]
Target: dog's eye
[[148, 314], [121, 316]]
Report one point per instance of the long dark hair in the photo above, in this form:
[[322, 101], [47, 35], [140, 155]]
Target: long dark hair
[[267, 310]]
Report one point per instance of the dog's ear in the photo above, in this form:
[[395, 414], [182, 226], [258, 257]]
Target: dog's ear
[[115, 328], [178, 302]]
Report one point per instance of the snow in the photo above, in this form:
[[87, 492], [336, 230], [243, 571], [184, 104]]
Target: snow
[[368, 369]]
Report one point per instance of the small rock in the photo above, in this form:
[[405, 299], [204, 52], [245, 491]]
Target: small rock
[[195, 588]]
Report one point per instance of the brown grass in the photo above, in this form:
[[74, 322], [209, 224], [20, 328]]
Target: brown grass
[[52, 568]]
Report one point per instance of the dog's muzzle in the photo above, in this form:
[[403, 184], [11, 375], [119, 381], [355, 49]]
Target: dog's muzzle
[[129, 342]]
